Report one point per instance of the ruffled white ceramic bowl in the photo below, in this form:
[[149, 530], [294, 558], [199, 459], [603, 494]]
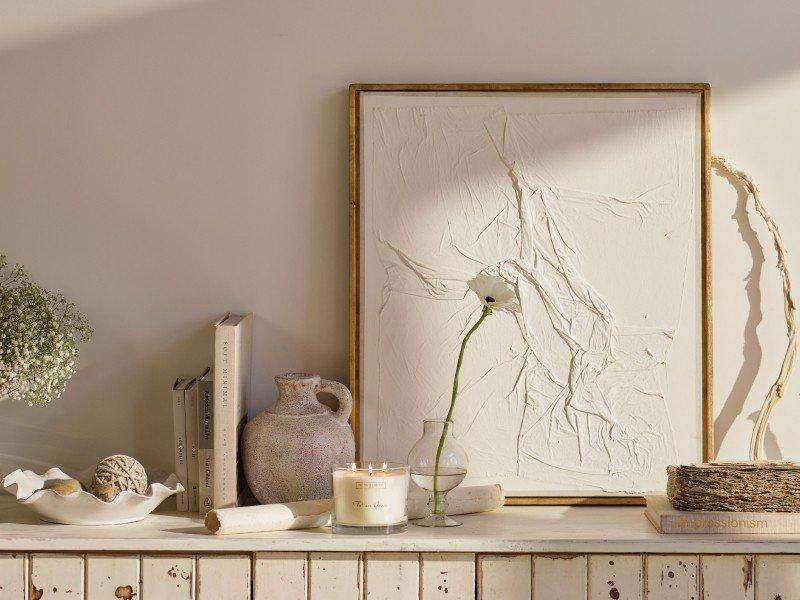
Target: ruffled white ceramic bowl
[[83, 508]]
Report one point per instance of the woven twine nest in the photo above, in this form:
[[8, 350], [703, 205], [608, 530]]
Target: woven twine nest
[[763, 486]]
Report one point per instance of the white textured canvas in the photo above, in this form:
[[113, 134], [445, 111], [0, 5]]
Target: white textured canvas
[[589, 204]]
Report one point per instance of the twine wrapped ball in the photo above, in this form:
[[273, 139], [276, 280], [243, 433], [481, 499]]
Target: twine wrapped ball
[[121, 472]]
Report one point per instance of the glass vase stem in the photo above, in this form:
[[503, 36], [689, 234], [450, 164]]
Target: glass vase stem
[[437, 497]]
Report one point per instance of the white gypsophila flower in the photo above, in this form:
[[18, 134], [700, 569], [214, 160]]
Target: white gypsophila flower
[[494, 292], [39, 334]]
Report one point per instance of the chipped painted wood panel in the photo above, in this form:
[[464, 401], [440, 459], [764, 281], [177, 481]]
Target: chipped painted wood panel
[[391, 575], [504, 577], [728, 577], [224, 577], [615, 576], [672, 577], [777, 577], [56, 577], [334, 575], [112, 577], [280, 576], [168, 577], [13, 575], [447, 575], [563, 577]]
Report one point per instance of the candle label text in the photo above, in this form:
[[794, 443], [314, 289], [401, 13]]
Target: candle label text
[[375, 504], [370, 485]]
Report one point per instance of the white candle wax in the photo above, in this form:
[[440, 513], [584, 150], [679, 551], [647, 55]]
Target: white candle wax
[[370, 497]]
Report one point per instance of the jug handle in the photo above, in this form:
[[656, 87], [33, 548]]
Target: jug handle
[[342, 394]]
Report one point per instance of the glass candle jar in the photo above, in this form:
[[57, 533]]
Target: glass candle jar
[[370, 497]]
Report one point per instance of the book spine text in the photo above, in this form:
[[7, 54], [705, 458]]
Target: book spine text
[[179, 431], [193, 468], [225, 418], [205, 407]]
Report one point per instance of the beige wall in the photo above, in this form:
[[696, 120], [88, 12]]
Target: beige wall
[[162, 161]]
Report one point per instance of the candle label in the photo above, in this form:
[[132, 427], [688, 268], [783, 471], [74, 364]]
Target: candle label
[[370, 485]]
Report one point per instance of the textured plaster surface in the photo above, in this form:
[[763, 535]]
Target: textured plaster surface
[[588, 205]]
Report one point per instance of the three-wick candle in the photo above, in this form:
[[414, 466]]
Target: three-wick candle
[[370, 495]]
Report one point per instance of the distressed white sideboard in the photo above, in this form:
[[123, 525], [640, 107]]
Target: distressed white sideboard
[[536, 553]]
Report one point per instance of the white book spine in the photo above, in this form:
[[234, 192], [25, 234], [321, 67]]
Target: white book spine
[[205, 407], [193, 464], [179, 430], [225, 421]]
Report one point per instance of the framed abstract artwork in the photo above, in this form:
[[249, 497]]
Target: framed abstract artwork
[[592, 201]]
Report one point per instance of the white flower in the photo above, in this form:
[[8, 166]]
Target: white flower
[[39, 334], [494, 292]]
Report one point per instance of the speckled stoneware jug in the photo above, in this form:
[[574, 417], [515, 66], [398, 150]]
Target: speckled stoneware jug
[[288, 450]]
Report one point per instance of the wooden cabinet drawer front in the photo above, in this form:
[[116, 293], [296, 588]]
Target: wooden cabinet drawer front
[[113, 576], [397, 576]]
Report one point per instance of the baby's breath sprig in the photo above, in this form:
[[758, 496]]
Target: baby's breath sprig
[[39, 334]]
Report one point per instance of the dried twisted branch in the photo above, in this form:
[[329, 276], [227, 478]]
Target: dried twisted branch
[[776, 391]]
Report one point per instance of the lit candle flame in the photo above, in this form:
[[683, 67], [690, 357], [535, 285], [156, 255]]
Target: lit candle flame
[[370, 468]]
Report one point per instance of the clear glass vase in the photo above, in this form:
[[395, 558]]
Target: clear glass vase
[[437, 445]]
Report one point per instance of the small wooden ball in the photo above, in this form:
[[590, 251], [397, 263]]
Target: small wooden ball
[[121, 472], [64, 487], [106, 493]]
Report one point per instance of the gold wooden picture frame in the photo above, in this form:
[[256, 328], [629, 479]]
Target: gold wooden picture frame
[[356, 92]]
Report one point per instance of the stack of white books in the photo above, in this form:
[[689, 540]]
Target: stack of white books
[[209, 414]]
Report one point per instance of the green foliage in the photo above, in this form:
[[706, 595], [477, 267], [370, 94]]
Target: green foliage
[[39, 334]]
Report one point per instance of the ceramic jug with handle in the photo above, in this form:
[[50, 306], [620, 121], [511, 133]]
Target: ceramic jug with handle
[[289, 449]]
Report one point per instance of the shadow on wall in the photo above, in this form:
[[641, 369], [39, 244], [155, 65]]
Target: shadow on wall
[[662, 41], [733, 404], [163, 196], [27, 23], [135, 131]]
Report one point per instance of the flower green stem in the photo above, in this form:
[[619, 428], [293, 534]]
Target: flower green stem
[[437, 501]]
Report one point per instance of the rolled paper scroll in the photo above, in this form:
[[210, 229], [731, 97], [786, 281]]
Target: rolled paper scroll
[[460, 501], [305, 514], [308, 514]]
